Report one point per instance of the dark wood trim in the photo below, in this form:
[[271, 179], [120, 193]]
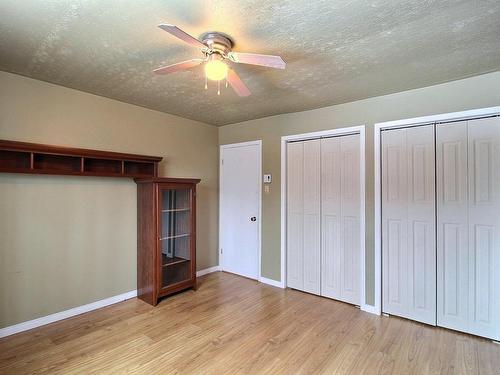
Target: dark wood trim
[[33, 158], [177, 287], [167, 180]]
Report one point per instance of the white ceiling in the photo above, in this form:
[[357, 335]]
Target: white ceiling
[[337, 51]]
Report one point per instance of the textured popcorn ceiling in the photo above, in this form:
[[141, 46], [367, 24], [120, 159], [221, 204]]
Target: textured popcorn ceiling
[[337, 50]]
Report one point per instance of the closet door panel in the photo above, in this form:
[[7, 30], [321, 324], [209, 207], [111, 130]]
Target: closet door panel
[[295, 215], [312, 207], [394, 223], [340, 261], [484, 227], [350, 254], [452, 226], [331, 159], [408, 223], [421, 243]]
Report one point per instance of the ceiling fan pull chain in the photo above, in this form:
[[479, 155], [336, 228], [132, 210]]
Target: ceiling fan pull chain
[[218, 87], [206, 82]]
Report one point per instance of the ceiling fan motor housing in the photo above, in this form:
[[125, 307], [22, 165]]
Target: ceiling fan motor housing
[[218, 42]]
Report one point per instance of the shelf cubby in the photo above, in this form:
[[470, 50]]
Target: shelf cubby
[[135, 168], [177, 273], [105, 166], [14, 160], [60, 163]]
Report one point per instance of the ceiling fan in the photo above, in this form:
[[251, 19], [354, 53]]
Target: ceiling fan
[[217, 52]]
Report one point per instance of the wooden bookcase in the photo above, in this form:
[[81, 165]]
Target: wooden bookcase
[[34, 158], [166, 236]]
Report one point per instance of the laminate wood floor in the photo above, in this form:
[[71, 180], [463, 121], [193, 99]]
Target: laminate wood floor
[[233, 325]]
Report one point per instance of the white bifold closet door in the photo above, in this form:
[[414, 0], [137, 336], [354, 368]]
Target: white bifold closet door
[[303, 218], [468, 235], [408, 223], [340, 202]]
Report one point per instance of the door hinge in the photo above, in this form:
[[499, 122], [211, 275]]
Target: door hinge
[[221, 250], [222, 161]]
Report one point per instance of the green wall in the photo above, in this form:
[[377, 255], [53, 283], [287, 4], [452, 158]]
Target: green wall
[[476, 92]]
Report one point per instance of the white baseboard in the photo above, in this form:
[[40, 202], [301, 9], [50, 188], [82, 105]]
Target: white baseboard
[[272, 282], [370, 309], [207, 270], [30, 324]]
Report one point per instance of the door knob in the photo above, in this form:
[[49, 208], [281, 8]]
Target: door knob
[[253, 218]]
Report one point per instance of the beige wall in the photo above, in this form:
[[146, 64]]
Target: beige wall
[[476, 92], [68, 241]]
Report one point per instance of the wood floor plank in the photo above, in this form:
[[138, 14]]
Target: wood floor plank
[[233, 325]]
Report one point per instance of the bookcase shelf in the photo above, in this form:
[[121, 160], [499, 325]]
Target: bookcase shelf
[[167, 261], [177, 210], [22, 157]]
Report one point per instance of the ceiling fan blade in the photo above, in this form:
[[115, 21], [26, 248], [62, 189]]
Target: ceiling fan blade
[[185, 65], [175, 31], [237, 84], [256, 59]]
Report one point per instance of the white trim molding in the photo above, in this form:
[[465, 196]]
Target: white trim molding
[[221, 193], [30, 324], [379, 127], [207, 271], [314, 135], [271, 282], [369, 309]]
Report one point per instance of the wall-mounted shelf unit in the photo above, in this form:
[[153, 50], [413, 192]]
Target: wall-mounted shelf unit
[[22, 157]]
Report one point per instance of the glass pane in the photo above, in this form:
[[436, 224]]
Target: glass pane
[[175, 236]]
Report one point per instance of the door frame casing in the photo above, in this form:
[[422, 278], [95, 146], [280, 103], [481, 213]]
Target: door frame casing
[[352, 130], [221, 194], [404, 123]]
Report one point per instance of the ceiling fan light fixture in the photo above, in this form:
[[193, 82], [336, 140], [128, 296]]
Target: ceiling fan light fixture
[[216, 48], [215, 70]]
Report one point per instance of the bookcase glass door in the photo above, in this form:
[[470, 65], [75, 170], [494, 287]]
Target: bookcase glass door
[[175, 236]]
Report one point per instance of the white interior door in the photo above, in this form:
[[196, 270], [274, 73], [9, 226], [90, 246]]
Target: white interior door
[[340, 200], [303, 215], [408, 224], [469, 226], [240, 209]]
